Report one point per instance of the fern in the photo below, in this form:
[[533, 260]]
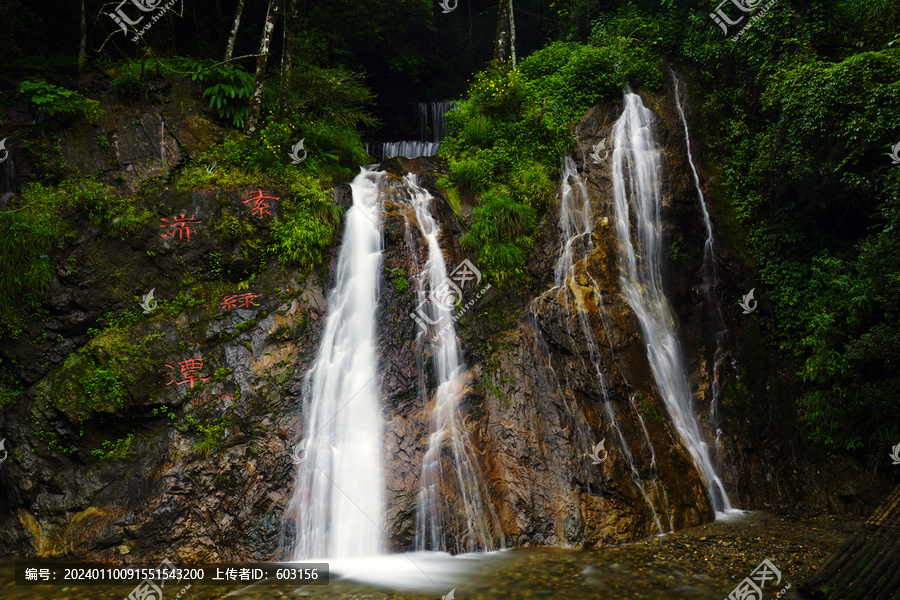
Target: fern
[[228, 89]]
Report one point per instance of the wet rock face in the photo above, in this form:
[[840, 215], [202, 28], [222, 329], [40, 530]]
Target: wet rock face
[[196, 464], [168, 434]]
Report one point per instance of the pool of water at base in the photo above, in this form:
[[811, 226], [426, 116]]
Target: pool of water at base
[[665, 568]]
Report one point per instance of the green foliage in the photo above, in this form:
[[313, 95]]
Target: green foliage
[[119, 449], [228, 88], [677, 254], [504, 148], [210, 431], [803, 109], [500, 235], [31, 229], [401, 283], [221, 374], [163, 410], [647, 408], [61, 106], [574, 76], [305, 234]]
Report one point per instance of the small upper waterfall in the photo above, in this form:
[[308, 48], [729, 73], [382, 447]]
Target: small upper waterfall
[[637, 197], [432, 129], [464, 514], [709, 273], [337, 507]]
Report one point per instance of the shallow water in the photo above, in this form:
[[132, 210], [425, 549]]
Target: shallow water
[[701, 563]]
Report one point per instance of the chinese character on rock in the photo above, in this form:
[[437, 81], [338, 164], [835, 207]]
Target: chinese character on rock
[[239, 301], [181, 225], [258, 205], [189, 370]]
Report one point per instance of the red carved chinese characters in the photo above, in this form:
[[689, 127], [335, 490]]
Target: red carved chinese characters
[[259, 206], [239, 301], [181, 225], [189, 370]]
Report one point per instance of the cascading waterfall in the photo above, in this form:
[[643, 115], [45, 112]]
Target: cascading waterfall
[[449, 440], [636, 189], [337, 505], [432, 116], [575, 223], [709, 274]]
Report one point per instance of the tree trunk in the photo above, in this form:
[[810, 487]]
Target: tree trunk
[[292, 12], [501, 45], [82, 46], [229, 48], [256, 96], [512, 34]]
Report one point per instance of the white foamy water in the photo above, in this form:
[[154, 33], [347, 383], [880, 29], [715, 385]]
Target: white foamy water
[[637, 198], [449, 454], [337, 505]]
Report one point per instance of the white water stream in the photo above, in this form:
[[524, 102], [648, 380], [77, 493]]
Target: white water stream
[[338, 499], [637, 198], [575, 220], [709, 274], [449, 453]]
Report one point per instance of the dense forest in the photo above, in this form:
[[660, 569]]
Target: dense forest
[[793, 108]]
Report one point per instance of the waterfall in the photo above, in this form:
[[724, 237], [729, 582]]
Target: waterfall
[[575, 220], [337, 507], [432, 129], [636, 188], [709, 274], [449, 463]]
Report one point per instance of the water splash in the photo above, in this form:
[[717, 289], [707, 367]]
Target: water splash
[[337, 506], [636, 193], [463, 520]]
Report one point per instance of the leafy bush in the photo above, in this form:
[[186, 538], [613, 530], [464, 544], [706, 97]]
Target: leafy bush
[[119, 449], [60, 105], [29, 232], [504, 148], [228, 88], [305, 235]]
